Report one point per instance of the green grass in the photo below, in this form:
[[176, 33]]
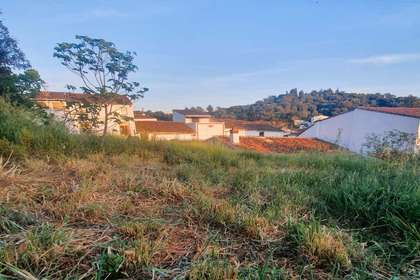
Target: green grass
[[75, 206]]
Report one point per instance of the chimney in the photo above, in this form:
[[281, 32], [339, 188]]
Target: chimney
[[234, 136]]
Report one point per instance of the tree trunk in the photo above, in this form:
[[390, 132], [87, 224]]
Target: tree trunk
[[105, 120]]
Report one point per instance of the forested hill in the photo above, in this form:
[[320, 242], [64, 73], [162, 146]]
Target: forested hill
[[296, 104]]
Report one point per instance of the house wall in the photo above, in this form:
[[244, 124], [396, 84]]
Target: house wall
[[58, 109], [113, 126], [417, 148], [206, 131], [198, 119], [255, 133], [177, 117], [350, 129], [171, 136]]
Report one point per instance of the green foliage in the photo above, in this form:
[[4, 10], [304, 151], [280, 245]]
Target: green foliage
[[394, 145], [11, 57], [12, 221], [104, 71], [212, 267], [160, 115], [350, 215], [303, 105], [109, 265], [16, 88], [44, 237]]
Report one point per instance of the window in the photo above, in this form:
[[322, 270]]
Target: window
[[261, 133]]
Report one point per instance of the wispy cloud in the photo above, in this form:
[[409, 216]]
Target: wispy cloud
[[387, 59], [106, 13]]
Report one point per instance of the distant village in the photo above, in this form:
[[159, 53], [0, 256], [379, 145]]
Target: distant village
[[348, 130]]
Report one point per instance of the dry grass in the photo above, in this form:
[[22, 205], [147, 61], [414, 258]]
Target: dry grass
[[116, 216]]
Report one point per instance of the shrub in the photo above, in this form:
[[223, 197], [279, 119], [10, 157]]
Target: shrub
[[393, 145]]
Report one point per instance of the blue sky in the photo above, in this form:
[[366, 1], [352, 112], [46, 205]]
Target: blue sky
[[195, 53]]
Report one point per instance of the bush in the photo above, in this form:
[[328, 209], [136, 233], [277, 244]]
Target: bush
[[393, 145]]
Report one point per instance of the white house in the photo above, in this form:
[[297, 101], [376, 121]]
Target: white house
[[201, 122], [351, 129], [318, 118], [164, 130], [252, 128], [60, 105]]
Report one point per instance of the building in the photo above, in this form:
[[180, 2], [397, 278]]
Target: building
[[301, 123], [203, 125], [351, 129], [164, 130], [60, 105], [318, 118], [252, 128]]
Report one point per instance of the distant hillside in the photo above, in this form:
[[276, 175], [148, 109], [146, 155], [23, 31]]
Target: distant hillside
[[296, 104]]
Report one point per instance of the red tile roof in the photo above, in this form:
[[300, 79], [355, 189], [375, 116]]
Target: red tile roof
[[163, 127], [249, 125], [79, 97], [283, 145], [402, 111]]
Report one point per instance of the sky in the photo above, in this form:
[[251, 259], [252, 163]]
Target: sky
[[223, 53]]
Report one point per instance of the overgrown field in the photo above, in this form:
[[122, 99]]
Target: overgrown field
[[84, 207]]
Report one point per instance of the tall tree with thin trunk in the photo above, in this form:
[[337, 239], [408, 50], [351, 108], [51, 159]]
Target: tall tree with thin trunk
[[104, 73]]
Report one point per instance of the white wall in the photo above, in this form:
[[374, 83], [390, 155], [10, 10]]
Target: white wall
[[177, 117], [206, 131], [256, 133], [171, 136], [350, 129], [113, 126]]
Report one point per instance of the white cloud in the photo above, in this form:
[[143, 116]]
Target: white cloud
[[387, 59]]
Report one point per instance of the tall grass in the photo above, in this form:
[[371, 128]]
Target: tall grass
[[337, 213]]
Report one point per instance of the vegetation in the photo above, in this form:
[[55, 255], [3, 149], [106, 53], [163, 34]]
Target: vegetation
[[304, 105], [162, 116], [87, 207], [104, 71], [393, 145], [17, 88]]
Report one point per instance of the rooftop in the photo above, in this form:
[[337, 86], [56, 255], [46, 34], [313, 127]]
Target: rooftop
[[283, 145], [79, 97], [163, 127], [402, 111], [193, 113]]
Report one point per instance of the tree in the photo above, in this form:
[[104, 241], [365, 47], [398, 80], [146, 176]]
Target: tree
[[104, 72], [210, 109], [11, 56], [20, 88]]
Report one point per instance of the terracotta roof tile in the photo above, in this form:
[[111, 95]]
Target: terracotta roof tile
[[402, 111], [163, 127], [283, 145], [79, 97]]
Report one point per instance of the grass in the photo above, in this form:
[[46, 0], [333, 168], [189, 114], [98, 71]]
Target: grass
[[86, 207]]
